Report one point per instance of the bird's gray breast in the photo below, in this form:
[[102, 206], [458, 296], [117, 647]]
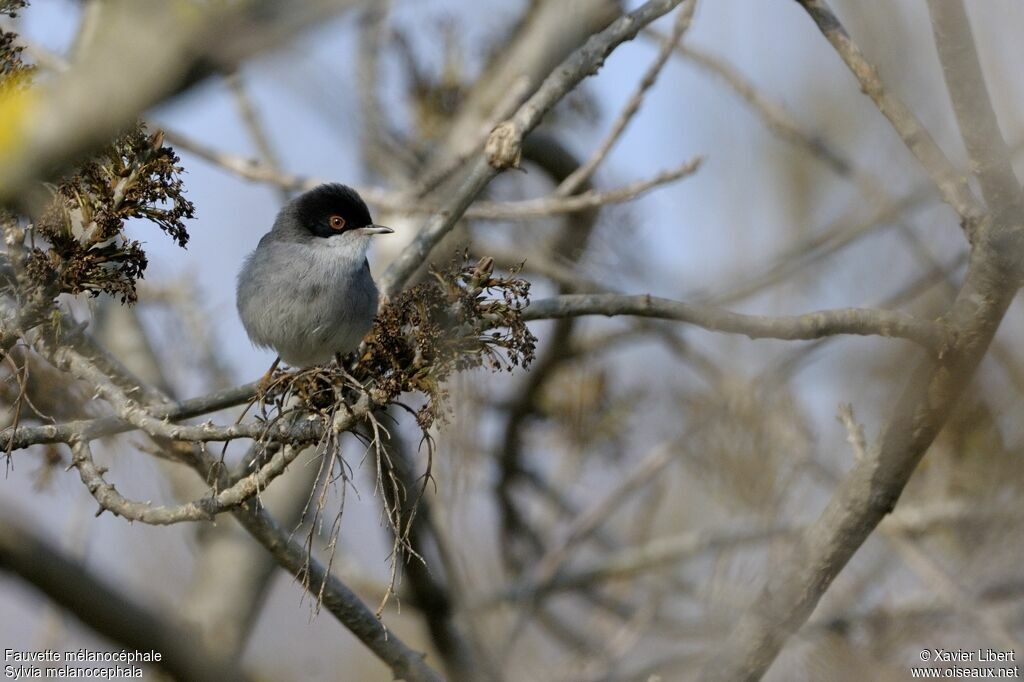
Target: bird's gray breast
[[342, 301], [308, 302]]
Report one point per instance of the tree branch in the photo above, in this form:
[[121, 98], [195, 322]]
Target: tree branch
[[251, 169], [335, 596], [109, 612], [508, 136], [157, 50], [344, 604], [858, 321], [953, 186], [988, 151], [682, 23], [91, 429], [871, 489]]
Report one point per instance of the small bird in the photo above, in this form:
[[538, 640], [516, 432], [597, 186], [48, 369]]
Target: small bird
[[306, 291]]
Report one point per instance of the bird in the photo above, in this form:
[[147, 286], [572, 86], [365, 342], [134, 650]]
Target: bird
[[306, 290]]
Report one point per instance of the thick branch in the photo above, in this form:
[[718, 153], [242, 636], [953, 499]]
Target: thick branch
[[988, 151], [156, 50], [104, 609], [336, 596], [873, 486]]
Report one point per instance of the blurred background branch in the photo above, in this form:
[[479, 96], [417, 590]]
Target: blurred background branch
[[656, 495]]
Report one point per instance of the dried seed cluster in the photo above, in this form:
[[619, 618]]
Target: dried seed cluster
[[87, 249], [78, 240], [460, 318], [14, 73]]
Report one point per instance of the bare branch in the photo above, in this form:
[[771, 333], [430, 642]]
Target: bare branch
[[334, 594], [667, 551], [859, 321], [105, 609], [205, 508], [257, 131], [157, 50], [587, 522], [775, 116], [251, 169], [582, 63], [854, 431], [942, 584], [90, 429], [953, 186], [590, 199], [202, 509], [546, 35], [928, 570], [337, 597], [875, 483], [989, 154], [873, 486], [585, 171]]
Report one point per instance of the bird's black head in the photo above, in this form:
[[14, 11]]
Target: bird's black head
[[332, 209]]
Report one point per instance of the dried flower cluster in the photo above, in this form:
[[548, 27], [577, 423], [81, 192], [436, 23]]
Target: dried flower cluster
[[14, 73], [459, 318], [78, 240], [88, 251]]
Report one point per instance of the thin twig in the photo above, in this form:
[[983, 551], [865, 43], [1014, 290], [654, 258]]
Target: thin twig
[[854, 431], [572, 183], [504, 146], [257, 131], [387, 200], [667, 551]]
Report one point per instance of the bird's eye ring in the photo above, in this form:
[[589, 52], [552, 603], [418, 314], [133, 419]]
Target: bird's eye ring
[[337, 223]]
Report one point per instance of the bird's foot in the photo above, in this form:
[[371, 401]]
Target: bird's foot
[[344, 372], [267, 379]]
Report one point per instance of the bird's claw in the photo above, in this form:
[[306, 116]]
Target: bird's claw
[[267, 379]]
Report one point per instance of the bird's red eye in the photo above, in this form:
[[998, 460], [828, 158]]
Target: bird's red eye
[[337, 223]]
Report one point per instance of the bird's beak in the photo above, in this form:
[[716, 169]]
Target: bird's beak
[[375, 229]]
